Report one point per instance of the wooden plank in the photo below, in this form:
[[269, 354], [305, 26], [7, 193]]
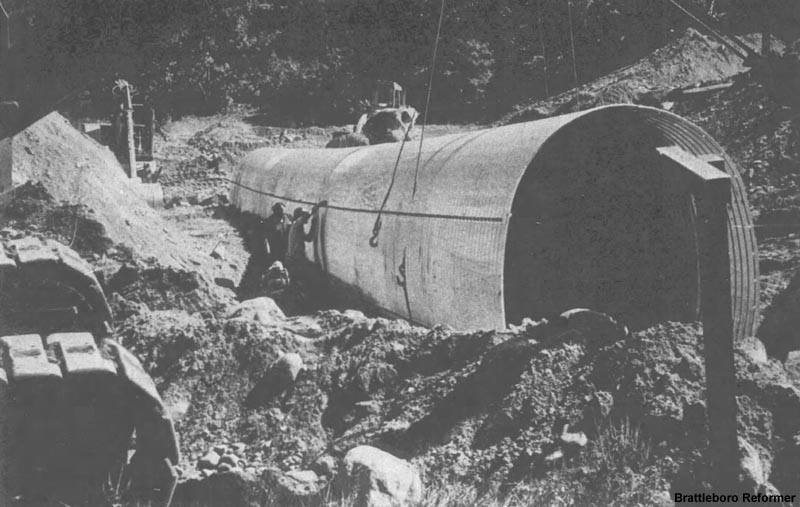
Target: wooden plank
[[705, 178], [697, 175], [706, 89]]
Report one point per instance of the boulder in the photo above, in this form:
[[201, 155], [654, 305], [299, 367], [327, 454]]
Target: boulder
[[572, 440], [230, 459], [751, 470], [177, 402], [263, 310], [753, 348], [231, 489], [598, 327], [219, 252], [278, 379], [288, 366], [294, 487], [209, 461], [375, 478]]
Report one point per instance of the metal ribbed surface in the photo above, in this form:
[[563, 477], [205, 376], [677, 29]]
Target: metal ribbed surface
[[452, 231]]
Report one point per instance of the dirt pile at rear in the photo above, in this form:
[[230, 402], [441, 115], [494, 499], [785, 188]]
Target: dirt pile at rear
[[762, 133], [543, 404], [760, 129], [196, 155], [691, 59]]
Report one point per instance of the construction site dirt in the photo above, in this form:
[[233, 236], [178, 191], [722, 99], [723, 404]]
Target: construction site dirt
[[451, 336]]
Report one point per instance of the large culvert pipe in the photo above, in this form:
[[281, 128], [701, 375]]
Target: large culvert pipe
[[525, 220]]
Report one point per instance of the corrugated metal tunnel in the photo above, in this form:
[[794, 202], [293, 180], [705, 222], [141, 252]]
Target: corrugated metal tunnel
[[525, 220]]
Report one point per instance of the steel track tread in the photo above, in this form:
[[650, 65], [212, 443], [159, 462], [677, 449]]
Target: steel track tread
[[38, 374]]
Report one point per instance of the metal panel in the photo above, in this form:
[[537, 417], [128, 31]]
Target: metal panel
[[448, 219]]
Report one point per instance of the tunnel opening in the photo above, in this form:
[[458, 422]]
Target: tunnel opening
[[598, 221]]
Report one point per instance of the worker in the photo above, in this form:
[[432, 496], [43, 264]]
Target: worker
[[275, 232], [307, 288], [296, 245]]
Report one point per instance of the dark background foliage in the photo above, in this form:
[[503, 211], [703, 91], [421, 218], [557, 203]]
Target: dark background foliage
[[312, 61]]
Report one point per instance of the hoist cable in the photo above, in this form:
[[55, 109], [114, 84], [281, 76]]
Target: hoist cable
[[428, 99]]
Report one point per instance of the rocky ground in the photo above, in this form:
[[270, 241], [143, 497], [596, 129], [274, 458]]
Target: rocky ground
[[311, 409]]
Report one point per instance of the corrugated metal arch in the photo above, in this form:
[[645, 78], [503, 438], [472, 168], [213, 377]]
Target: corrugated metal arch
[[451, 235]]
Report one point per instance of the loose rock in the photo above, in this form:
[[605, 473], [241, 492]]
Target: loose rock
[[262, 309], [292, 487], [378, 479], [209, 461]]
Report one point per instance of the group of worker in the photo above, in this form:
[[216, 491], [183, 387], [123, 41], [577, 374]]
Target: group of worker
[[279, 265], [285, 238]]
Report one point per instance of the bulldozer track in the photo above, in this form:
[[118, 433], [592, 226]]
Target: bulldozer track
[[81, 421], [68, 410]]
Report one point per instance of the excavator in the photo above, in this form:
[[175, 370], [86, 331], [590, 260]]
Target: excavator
[[81, 422]]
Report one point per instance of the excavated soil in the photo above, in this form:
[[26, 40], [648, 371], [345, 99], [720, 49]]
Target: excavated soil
[[486, 408], [74, 190]]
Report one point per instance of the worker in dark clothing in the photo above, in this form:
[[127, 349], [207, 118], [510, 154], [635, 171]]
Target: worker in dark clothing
[[267, 244], [275, 231], [307, 287], [298, 237]]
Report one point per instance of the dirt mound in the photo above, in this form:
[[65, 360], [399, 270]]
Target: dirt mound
[[691, 59], [209, 366], [96, 200], [33, 210], [543, 403], [75, 169]]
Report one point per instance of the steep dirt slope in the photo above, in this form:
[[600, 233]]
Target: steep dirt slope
[[74, 169], [693, 58]]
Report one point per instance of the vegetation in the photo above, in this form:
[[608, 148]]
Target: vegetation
[[311, 61]]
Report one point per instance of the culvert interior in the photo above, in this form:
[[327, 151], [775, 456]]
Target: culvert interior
[[599, 221]]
